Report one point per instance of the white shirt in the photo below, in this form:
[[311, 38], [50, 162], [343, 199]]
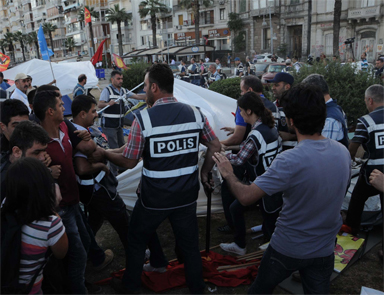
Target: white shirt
[[17, 94], [207, 59]]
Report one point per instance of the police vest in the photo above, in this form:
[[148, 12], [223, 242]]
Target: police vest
[[268, 146], [214, 76], [272, 107], [239, 69], [113, 117], [374, 122], [334, 111], [282, 126], [195, 74], [170, 157], [77, 88]]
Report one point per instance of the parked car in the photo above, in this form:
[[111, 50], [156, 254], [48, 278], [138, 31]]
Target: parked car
[[266, 57], [271, 71], [260, 68]]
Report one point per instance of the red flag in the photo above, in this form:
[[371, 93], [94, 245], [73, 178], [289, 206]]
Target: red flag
[[98, 54], [87, 15], [4, 62], [118, 61]]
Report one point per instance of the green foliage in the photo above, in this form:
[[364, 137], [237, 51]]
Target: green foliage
[[235, 23], [228, 87], [282, 50], [134, 75], [239, 42], [346, 86]]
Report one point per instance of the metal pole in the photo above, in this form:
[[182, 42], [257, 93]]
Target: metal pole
[[208, 225], [271, 27]]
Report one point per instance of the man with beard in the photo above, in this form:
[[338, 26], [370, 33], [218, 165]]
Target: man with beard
[[20, 93]]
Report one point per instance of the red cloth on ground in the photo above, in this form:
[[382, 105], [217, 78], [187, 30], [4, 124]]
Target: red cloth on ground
[[174, 277]]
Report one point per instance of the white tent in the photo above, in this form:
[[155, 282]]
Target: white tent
[[66, 74], [218, 110]]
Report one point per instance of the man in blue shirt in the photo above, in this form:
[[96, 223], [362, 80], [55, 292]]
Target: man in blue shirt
[[3, 85], [79, 88]]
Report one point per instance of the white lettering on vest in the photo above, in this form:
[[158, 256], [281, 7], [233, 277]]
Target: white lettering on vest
[[174, 145], [379, 140]]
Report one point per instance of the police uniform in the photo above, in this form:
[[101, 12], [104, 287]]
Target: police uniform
[[78, 90], [283, 126], [186, 77], [370, 133], [171, 133], [239, 69], [215, 77], [195, 76]]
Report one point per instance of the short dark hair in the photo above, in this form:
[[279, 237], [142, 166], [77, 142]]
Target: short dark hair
[[26, 134], [253, 82], [162, 75], [114, 73], [12, 108], [31, 96], [202, 60], [82, 103], [45, 98], [81, 78], [252, 101], [30, 190], [318, 81], [305, 105], [1, 75], [295, 57]]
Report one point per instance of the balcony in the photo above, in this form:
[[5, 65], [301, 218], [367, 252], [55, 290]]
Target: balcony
[[24, 2], [29, 30], [55, 16], [53, 3], [364, 13], [203, 22]]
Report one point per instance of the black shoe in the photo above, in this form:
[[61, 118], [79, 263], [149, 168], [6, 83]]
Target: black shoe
[[119, 287], [93, 289], [226, 229]]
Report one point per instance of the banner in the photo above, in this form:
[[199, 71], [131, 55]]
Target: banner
[[346, 247], [98, 56], [4, 62], [45, 51], [87, 16], [118, 61]]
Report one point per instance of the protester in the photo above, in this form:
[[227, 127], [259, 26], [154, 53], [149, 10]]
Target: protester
[[296, 63], [248, 67], [379, 68], [239, 70], [335, 124], [79, 88], [364, 62], [206, 58], [22, 83], [33, 197], [369, 133], [169, 184], [3, 85], [255, 156], [304, 238]]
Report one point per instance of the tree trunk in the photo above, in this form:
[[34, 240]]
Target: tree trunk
[[91, 34], [153, 23], [120, 39], [2, 49], [197, 22], [37, 50], [336, 27], [12, 52], [50, 39], [22, 50]]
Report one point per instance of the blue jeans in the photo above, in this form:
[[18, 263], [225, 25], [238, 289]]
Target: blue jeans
[[144, 223], [76, 256], [275, 267]]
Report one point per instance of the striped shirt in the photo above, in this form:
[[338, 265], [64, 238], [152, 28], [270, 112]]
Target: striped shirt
[[361, 133], [36, 237]]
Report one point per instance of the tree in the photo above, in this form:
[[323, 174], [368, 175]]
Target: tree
[[336, 26], [195, 6], [118, 15], [3, 44], [32, 39], [48, 28], [9, 39], [69, 43], [94, 14], [152, 7], [236, 26], [21, 38]]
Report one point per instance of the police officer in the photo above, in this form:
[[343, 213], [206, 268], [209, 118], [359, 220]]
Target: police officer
[[167, 137], [369, 133], [79, 88], [112, 118], [194, 74], [183, 71], [215, 76], [239, 71]]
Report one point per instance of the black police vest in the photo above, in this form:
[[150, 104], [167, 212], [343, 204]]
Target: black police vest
[[113, 117], [170, 157], [374, 122], [334, 111], [283, 126]]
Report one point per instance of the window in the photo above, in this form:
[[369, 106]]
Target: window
[[142, 40], [330, 5], [225, 41], [266, 38], [295, 2], [329, 44], [367, 3], [180, 19], [222, 13], [263, 3], [243, 6], [255, 4]]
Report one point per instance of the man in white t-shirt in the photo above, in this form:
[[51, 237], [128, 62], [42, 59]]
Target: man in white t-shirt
[[22, 84]]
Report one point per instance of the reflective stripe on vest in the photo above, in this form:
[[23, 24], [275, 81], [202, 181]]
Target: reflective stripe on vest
[[372, 126], [170, 173], [113, 116], [91, 181]]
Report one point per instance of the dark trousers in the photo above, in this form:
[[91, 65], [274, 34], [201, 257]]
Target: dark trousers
[[275, 267], [101, 207], [144, 223], [360, 194]]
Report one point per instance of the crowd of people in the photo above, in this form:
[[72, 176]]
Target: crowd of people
[[292, 156]]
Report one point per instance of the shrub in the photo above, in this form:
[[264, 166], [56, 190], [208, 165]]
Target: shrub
[[228, 87], [134, 75], [346, 86]]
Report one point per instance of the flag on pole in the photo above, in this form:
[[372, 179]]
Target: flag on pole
[[4, 62], [118, 61], [99, 53], [87, 15], [45, 51]]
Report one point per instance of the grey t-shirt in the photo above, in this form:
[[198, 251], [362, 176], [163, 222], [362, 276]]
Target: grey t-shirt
[[314, 177]]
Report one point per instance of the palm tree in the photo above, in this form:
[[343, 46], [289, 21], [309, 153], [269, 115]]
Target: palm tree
[[3, 44], [195, 6], [48, 28], [69, 43], [118, 15], [152, 7], [32, 39], [21, 38], [80, 17], [9, 39]]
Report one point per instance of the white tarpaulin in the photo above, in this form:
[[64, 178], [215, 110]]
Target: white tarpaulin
[[66, 74], [218, 110]]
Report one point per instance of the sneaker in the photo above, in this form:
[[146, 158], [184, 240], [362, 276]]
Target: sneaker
[[226, 229], [149, 267], [108, 259], [233, 248]]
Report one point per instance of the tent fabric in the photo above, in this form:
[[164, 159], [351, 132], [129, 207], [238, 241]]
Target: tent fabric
[[174, 277], [67, 105], [218, 109], [66, 74]]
